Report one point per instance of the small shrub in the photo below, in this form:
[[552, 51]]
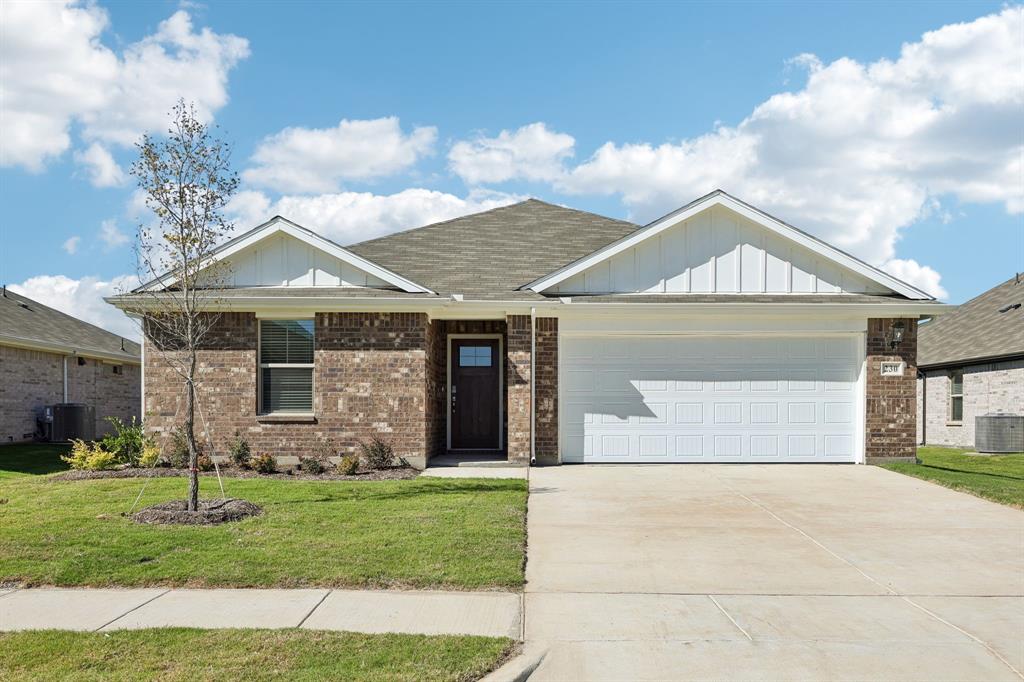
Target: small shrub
[[240, 453], [126, 442], [378, 453], [325, 449], [264, 464], [204, 462], [90, 456], [348, 465], [150, 456], [177, 449], [312, 465]]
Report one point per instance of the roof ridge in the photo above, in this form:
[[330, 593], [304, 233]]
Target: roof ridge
[[488, 211], [440, 222]]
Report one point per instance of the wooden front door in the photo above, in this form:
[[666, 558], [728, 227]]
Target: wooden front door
[[475, 399]]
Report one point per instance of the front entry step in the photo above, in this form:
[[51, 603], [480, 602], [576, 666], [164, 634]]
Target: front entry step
[[489, 459]]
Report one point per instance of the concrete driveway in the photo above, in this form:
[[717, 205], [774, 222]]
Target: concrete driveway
[[769, 572]]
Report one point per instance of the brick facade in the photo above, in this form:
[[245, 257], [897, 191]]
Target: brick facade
[[517, 387], [990, 387], [371, 377], [891, 403], [546, 441], [31, 380]]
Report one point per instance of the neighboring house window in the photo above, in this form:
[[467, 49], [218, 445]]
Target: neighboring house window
[[286, 366], [117, 369], [956, 395]]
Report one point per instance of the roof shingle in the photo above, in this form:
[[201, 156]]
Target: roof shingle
[[24, 321], [976, 330]]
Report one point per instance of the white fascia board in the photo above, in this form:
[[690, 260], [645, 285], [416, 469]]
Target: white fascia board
[[719, 198], [286, 226], [895, 309]]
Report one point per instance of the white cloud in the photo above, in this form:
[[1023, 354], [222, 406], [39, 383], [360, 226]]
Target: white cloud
[[531, 153], [71, 244], [103, 171], [861, 151], [915, 274], [349, 217], [111, 235], [55, 70], [309, 160], [83, 298]]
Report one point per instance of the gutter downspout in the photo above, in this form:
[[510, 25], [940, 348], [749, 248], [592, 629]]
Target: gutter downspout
[[533, 385], [924, 407], [65, 359]]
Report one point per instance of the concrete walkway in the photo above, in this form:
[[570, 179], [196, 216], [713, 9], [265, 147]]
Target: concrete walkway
[[494, 614], [704, 572]]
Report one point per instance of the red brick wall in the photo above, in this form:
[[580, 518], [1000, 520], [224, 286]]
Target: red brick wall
[[370, 378], [517, 387], [891, 401], [546, 445]]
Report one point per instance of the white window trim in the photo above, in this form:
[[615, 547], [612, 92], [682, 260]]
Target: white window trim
[[260, 366], [501, 391], [950, 396]]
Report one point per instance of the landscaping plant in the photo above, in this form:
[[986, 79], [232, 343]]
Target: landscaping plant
[[349, 464], [312, 465], [378, 453], [91, 456], [240, 452], [126, 442], [264, 464]]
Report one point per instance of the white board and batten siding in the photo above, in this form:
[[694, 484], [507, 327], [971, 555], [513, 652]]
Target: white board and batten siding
[[627, 398], [281, 260], [717, 251]]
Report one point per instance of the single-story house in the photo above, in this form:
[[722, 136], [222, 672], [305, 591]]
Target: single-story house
[[971, 363], [47, 357], [544, 334]]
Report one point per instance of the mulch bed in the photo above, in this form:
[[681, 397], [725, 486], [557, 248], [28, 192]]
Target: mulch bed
[[392, 474], [210, 512]]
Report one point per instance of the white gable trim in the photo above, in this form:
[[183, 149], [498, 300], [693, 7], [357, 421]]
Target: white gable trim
[[720, 198], [277, 225]]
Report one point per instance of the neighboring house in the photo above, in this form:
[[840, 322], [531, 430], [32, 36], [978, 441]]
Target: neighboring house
[[971, 363], [47, 357], [715, 334]]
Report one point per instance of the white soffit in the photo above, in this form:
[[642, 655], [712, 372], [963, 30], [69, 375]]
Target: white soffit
[[720, 198]]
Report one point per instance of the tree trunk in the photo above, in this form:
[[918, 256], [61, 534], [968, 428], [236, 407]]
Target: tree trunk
[[190, 437]]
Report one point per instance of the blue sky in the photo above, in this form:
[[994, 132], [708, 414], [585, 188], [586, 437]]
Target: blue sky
[[905, 158]]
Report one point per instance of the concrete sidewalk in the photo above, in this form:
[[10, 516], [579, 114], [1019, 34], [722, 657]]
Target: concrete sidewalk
[[493, 614]]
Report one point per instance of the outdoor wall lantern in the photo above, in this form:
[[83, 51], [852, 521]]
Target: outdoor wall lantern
[[896, 333]]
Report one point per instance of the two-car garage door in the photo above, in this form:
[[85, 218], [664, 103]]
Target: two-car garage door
[[709, 399]]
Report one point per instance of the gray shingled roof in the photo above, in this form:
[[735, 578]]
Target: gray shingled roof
[[27, 322], [490, 255], [976, 330]]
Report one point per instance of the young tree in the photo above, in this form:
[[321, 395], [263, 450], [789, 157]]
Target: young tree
[[187, 181]]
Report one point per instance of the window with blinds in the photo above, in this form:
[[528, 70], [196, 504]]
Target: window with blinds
[[286, 366]]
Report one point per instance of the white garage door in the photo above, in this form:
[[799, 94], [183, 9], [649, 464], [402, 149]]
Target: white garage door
[[709, 399]]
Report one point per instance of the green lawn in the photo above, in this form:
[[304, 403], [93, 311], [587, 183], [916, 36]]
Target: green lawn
[[182, 654], [420, 533], [26, 459], [999, 478]]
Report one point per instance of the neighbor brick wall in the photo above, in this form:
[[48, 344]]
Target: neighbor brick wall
[[517, 386], [891, 402], [546, 440], [990, 387], [111, 395], [370, 378], [30, 380]]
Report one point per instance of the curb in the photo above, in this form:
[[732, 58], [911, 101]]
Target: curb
[[519, 668]]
